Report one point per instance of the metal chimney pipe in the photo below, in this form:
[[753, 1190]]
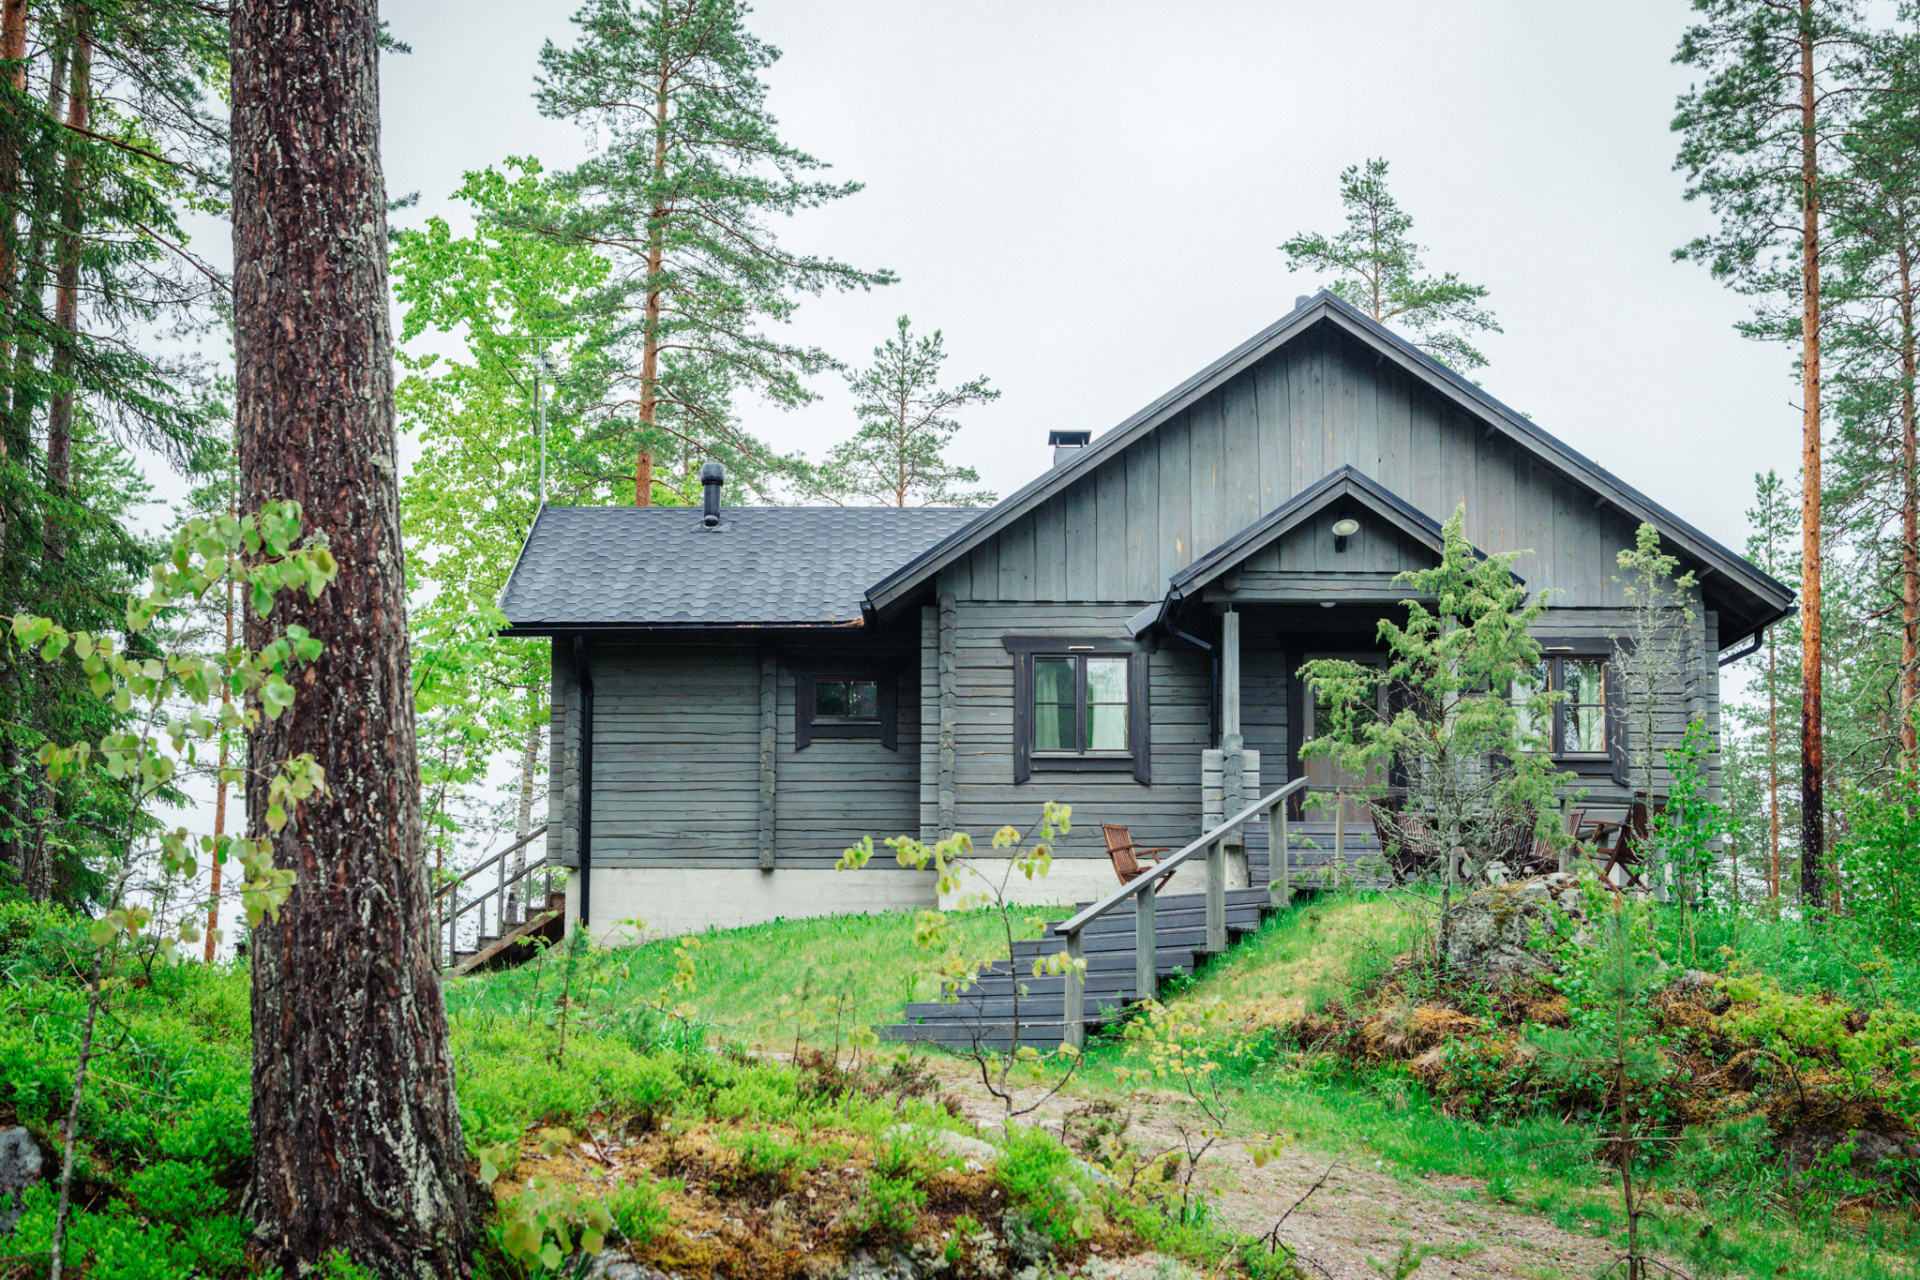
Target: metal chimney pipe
[[712, 476]]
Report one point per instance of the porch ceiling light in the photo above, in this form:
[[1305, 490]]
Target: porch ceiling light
[[1346, 528]]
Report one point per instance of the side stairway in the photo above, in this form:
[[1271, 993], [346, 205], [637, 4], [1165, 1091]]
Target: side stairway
[[985, 1013], [499, 950]]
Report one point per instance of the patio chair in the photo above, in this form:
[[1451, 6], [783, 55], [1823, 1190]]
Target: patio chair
[[1630, 834], [1126, 855]]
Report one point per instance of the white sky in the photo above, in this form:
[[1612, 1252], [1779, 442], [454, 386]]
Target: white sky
[[1087, 197]]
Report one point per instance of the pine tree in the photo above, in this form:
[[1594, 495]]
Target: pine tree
[[1376, 266], [357, 1140], [898, 456], [680, 199], [1772, 546], [1758, 141], [1873, 489]]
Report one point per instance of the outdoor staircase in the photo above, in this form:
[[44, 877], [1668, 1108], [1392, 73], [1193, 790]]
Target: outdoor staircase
[[498, 950], [1321, 855], [984, 1014]]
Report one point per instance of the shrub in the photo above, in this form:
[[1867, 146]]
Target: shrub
[[1047, 1206], [766, 1161], [637, 1211], [886, 1214]]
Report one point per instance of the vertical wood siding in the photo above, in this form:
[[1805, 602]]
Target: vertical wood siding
[[1323, 402]]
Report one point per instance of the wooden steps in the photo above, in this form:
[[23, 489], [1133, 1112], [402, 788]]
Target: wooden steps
[[498, 951], [984, 1013]]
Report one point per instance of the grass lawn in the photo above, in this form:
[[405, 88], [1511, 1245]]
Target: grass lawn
[[756, 985]]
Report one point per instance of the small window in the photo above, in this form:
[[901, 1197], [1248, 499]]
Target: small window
[[1579, 727], [1079, 705], [844, 703]]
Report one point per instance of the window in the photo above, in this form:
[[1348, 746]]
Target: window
[[1579, 727], [844, 702], [1079, 706]]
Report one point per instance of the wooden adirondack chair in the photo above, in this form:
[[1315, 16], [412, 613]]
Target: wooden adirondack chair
[[1629, 835], [1126, 855]]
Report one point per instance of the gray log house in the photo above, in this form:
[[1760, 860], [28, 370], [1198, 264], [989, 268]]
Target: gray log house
[[740, 693]]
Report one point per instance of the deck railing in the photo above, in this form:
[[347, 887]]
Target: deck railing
[[1143, 889], [447, 899]]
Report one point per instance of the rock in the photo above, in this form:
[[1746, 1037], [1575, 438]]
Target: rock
[[1493, 930], [1143, 1266], [977, 1154], [20, 1166], [615, 1266]]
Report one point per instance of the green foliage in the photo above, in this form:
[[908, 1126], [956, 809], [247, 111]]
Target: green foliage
[[1465, 722], [961, 882], [1878, 855], [898, 456], [1376, 266], [888, 1209], [1045, 1191], [683, 197]]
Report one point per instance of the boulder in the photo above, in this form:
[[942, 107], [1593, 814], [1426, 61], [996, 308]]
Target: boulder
[[1493, 931], [20, 1166]]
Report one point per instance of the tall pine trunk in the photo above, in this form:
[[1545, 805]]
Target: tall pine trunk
[[656, 257], [1813, 836], [1909, 513], [66, 300], [357, 1145], [14, 695]]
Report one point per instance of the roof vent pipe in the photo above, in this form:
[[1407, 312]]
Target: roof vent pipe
[[712, 476], [1067, 444]]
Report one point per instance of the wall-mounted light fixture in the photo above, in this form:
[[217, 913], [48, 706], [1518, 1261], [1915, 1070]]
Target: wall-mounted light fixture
[[1342, 530]]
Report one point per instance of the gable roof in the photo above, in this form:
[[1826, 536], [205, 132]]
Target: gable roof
[[583, 568], [1346, 482], [1763, 599]]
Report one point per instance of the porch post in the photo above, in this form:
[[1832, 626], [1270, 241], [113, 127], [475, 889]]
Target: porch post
[[1233, 780]]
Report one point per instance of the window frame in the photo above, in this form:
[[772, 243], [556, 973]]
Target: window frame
[[885, 727], [1135, 759], [1554, 654]]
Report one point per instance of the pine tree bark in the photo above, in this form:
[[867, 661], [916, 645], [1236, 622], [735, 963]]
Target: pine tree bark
[[1909, 515], [356, 1134], [15, 698], [656, 257], [1813, 836], [66, 300]]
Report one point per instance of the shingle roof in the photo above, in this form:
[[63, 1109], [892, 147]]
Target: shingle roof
[[762, 566]]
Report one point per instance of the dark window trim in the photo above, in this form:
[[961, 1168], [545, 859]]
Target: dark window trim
[[1137, 757], [1612, 758], [805, 728]]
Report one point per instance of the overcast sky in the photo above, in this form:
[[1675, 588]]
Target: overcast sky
[[1087, 199]]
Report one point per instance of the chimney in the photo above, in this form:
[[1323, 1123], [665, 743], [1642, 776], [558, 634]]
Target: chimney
[[1067, 445], [712, 476]]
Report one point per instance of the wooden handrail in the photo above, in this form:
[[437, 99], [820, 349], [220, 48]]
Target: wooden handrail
[[1145, 888], [478, 867], [1167, 866]]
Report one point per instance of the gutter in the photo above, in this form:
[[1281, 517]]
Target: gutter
[[583, 672]]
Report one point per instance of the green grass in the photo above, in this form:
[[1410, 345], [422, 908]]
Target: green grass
[[758, 984], [1756, 1226]]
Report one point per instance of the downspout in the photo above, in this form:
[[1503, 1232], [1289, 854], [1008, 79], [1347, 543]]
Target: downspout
[[583, 673]]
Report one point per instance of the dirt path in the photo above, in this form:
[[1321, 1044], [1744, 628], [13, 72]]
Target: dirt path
[[1360, 1213]]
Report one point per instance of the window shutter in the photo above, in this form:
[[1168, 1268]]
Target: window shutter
[[1616, 726], [1139, 716], [1022, 716]]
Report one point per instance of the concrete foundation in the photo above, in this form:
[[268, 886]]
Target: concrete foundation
[[676, 900]]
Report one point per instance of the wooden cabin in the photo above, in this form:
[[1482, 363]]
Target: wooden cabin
[[741, 692]]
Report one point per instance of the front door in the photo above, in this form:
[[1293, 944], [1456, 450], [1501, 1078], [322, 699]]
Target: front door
[[1324, 772]]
